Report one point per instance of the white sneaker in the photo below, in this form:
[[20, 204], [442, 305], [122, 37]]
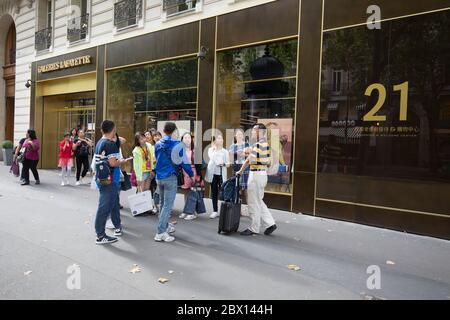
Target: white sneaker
[[171, 228], [109, 224], [62, 184], [190, 217], [214, 215], [164, 237], [77, 183], [82, 181], [67, 182], [183, 215]]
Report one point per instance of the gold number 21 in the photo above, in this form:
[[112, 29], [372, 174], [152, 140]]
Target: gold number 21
[[403, 88]]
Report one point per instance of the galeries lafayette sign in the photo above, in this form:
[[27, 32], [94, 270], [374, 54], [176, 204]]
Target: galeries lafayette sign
[[66, 64]]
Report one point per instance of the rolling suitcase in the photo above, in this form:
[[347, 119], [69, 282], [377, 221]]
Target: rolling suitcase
[[230, 213]]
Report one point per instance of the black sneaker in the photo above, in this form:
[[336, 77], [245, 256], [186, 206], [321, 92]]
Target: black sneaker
[[25, 183], [120, 206], [247, 232], [270, 229], [106, 240], [37, 182], [118, 232]]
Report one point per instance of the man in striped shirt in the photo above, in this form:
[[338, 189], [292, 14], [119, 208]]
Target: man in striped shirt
[[259, 161]]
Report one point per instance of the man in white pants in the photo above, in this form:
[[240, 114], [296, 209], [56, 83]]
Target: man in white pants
[[259, 160]]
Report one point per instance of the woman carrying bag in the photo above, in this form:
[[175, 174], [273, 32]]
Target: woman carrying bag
[[143, 162], [192, 191], [239, 151], [30, 157], [216, 172]]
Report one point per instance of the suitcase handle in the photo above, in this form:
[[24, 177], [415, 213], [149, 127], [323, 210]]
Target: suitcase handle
[[238, 184]]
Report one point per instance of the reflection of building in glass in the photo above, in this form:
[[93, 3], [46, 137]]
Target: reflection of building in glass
[[394, 146], [257, 84], [405, 139], [147, 96], [265, 89]]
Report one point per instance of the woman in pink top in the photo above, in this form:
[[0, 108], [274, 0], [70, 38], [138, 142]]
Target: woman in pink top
[[30, 148], [188, 144]]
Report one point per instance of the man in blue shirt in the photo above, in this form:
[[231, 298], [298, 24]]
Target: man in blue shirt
[[169, 154], [107, 149]]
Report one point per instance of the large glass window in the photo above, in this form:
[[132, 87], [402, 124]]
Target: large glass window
[[147, 96], [384, 133], [258, 84]]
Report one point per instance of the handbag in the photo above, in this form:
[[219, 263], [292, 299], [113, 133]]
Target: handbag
[[178, 169], [126, 183], [21, 156], [15, 169], [133, 179]]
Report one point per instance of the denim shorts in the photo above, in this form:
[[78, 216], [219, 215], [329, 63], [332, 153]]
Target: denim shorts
[[145, 176]]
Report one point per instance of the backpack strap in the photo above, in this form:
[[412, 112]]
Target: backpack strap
[[175, 167]]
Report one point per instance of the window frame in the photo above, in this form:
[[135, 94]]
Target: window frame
[[49, 19], [139, 19], [193, 10], [88, 16]]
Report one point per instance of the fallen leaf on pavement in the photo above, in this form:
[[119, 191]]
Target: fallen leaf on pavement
[[27, 273], [293, 267], [163, 280], [173, 222], [135, 269], [390, 262], [170, 271]]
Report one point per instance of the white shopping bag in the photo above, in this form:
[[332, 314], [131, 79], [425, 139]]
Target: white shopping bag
[[140, 202]]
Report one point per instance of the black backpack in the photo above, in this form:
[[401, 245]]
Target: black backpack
[[229, 190], [83, 150]]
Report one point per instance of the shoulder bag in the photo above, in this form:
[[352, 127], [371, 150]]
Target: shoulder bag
[[177, 168]]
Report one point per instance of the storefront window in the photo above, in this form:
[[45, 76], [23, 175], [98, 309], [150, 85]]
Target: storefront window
[[258, 84], [384, 134], [148, 96]]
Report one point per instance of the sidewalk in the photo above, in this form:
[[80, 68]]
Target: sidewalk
[[47, 228]]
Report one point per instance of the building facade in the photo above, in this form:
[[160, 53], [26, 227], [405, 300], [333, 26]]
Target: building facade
[[359, 95]]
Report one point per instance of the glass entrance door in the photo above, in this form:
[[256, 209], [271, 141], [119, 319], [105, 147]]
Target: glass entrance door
[[62, 113]]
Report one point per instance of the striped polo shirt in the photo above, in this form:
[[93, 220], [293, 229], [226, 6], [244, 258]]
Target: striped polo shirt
[[260, 159]]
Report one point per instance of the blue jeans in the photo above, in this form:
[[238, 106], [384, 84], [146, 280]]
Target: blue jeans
[[167, 193], [108, 204]]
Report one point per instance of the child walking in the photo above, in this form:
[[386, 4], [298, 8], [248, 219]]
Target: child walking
[[65, 158]]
